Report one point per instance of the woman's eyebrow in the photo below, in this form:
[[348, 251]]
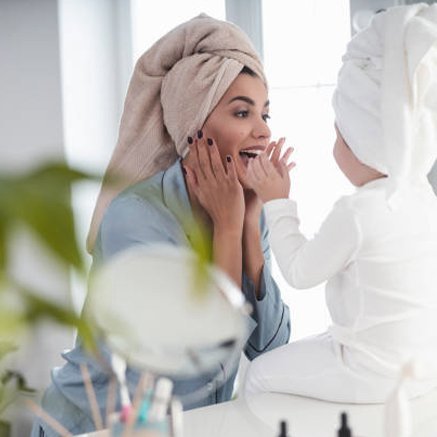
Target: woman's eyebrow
[[247, 100]]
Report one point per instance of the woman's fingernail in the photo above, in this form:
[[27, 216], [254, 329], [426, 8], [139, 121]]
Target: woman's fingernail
[[184, 170], [209, 141], [228, 158], [190, 140], [199, 134]]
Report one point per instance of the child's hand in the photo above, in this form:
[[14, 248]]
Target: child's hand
[[268, 173]]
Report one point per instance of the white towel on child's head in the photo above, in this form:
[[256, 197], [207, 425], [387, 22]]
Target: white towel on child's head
[[386, 97]]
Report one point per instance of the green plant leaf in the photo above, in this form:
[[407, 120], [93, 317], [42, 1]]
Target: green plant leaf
[[2, 245], [38, 308], [3, 236], [11, 322], [5, 427], [41, 200], [6, 347], [18, 378], [201, 244]]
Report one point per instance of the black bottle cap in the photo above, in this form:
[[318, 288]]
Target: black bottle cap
[[344, 430], [283, 429]]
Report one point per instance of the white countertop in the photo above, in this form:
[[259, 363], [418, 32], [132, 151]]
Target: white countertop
[[306, 418]]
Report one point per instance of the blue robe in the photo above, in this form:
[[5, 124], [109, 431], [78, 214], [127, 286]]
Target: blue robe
[[158, 210]]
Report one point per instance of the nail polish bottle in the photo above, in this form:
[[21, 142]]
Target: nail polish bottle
[[344, 430], [283, 429]]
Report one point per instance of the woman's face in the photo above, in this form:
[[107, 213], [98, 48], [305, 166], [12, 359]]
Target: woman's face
[[238, 123]]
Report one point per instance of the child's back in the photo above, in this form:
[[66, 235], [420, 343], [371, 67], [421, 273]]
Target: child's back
[[383, 304]]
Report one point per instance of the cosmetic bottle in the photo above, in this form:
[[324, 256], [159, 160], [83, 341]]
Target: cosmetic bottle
[[283, 432], [161, 400], [344, 430], [152, 418]]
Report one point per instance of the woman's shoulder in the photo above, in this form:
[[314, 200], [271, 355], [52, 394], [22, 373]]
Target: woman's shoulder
[[150, 210], [138, 215], [135, 209], [150, 193], [146, 194]]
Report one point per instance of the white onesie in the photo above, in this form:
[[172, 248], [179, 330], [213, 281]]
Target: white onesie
[[381, 271]]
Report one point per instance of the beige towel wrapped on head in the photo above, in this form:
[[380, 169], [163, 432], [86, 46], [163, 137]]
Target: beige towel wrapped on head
[[175, 86]]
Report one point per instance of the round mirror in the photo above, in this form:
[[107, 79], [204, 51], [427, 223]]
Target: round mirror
[[163, 310]]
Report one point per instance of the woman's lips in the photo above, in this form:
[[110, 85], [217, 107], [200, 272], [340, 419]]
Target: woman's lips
[[248, 154]]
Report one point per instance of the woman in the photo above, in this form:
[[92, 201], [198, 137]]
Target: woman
[[195, 112]]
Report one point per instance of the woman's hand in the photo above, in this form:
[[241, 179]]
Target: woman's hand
[[220, 194], [216, 187], [268, 173]]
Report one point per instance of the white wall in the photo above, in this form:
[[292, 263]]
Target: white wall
[[96, 65], [64, 69], [300, 92], [30, 105], [151, 23], [31, 132]]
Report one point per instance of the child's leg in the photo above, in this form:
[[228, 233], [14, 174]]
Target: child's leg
[[314, 367]]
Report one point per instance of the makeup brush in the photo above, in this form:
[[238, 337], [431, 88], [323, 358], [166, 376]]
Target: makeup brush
[[119, 368]]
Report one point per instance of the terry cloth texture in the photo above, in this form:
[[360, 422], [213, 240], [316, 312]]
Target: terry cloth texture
[[386, 98]]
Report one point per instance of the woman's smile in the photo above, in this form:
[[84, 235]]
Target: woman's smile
[[247, 154]]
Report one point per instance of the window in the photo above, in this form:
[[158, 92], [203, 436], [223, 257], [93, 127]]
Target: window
[[303, 45], [150, 23]]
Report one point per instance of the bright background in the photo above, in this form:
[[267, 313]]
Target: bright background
[[303, 45]]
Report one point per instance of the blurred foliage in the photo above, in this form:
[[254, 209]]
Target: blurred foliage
[[201, 243], [39, 201]]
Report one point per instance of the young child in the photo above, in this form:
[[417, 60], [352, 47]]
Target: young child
[[377, 249]]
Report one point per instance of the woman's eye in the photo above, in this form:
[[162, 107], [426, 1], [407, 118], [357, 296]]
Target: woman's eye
[[242, 114], [266, 117]]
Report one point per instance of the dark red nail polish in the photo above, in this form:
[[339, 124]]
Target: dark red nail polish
[[190, 140], [228, 158], [199, 134], [209, 140]]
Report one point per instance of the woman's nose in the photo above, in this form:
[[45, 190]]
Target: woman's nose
[[261, 129]]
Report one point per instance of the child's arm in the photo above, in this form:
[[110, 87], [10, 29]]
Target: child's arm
[[303, 262], [268, 174]]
